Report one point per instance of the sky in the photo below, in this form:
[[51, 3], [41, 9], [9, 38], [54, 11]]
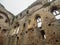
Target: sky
[[16, 6]]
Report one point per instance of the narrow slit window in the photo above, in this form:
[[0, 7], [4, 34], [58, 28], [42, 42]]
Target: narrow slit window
[[55, 11], [17, 30], [43, 34]]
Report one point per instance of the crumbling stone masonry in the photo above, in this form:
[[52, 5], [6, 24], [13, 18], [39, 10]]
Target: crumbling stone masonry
[[36, 25]]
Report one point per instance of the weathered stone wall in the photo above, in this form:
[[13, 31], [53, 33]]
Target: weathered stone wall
[[30, 34], [5, 24], [23, 29]]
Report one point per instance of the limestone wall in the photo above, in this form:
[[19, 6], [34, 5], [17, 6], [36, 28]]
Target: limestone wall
[[24, 29], [30, 33], [5, 24]]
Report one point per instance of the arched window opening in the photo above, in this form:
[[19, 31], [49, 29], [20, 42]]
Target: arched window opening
[[55, 12], [39, 22]]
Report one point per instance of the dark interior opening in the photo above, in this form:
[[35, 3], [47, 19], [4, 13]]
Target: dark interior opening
[[49, 24], [26, 32], [27, 11], [54, 8], [40, 27], [56, 40], [24, 25], [18, 38], [14, 26], [6, 21], [1, 17], [37, 16], [42, 33], [0, 27], [53, 32], [4, 30]]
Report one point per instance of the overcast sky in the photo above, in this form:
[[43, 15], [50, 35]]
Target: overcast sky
[[16, 6]]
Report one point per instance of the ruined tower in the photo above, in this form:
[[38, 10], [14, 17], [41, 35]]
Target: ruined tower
[[39, 24]]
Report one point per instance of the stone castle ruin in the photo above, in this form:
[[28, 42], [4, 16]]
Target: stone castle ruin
[[39, 24]]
